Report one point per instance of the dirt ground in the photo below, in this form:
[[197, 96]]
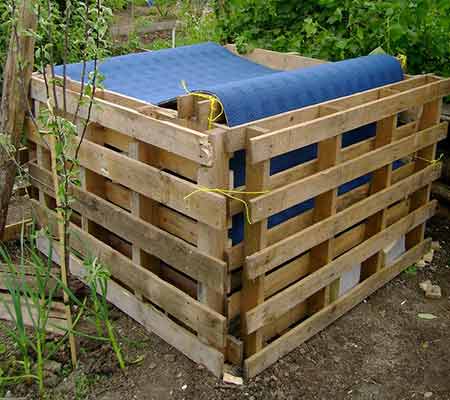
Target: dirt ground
[[380, 350]]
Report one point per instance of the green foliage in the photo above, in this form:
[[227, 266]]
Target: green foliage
[[339, 29]]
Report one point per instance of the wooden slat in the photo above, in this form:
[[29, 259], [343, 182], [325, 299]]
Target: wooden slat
[[56, 324], [431, 115], [291, 138], [170, 220], [277, 60], [143, 207], [324, 206], [149, 181], [255, 239], [161, 244], [284, 250], [277, 305], [213, 241], [169, 136], [290, 195], [154, 320], [310, 167], [381, 179], [191, 312], [307, 329], [298, 268], [235, 350], [14, 231], [293, 225]]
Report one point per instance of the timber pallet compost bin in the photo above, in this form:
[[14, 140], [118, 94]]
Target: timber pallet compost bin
[[174, 269]]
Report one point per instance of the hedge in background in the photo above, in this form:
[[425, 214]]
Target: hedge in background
[[338, 29]]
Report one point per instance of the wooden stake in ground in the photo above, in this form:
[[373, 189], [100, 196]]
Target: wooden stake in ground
[[16, 79], [64, 256]]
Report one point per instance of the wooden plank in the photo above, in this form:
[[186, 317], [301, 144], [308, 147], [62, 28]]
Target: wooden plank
[[163, 245], [149, 181], [277, 305], [14, 231], [235, 350], [169, 136], [17, 275], [297, 192], [431, 115], [236, 135], [154, 320], [171, 221], [255, 239], [284, 140], [14, 100], [56, 322], [294, 225], [277, 60], [210, 240], [172, 300], [298, 268], [144, 208], [307, 329], [381, 179], [324, 206]]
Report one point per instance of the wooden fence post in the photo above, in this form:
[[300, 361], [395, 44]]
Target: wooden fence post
[[16, 80]]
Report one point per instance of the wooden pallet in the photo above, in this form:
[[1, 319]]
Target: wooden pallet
[[174, 269]]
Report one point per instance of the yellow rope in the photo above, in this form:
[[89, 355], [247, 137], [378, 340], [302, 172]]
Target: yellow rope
[[432, 162], [229, 194], [212, 108]]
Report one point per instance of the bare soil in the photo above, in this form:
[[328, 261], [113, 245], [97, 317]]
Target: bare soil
[[379, 350]]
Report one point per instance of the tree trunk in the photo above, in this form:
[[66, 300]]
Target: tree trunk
[[16, 81]]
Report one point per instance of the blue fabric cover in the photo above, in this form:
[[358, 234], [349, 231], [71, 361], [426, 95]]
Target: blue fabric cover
[[248, 92], [156, 76]]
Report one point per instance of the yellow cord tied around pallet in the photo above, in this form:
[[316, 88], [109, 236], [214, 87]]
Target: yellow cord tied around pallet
[[213, 100], [431, 162], [231, 195]]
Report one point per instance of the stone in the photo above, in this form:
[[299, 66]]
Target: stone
[[427, 395], [235, 380], [52, 366], [426, 285], [421, 264], [152, 365], [434, 292], [435, 245], [170, 357], [428, 258], [51, 379]]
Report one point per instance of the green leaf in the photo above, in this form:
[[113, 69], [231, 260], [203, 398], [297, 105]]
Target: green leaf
[[426, 316], [397, 31]]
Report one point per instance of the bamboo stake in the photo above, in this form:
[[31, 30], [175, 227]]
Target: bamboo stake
[[63, 259]]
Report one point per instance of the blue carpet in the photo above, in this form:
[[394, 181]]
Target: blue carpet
[[248, 92]]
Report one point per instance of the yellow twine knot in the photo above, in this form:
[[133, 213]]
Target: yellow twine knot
[[230, 194], [212, 107]]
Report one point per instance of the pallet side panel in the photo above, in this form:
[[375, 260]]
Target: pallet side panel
[[305, 257]]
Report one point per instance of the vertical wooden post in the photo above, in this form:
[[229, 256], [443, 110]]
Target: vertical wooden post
[[325, 206], [143, 207], [16, 80], [430, 116], [255, 238], [210, 240], [381, 179], [90, 181]]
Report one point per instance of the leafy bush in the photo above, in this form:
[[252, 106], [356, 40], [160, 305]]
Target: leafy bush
[[338, 29]]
